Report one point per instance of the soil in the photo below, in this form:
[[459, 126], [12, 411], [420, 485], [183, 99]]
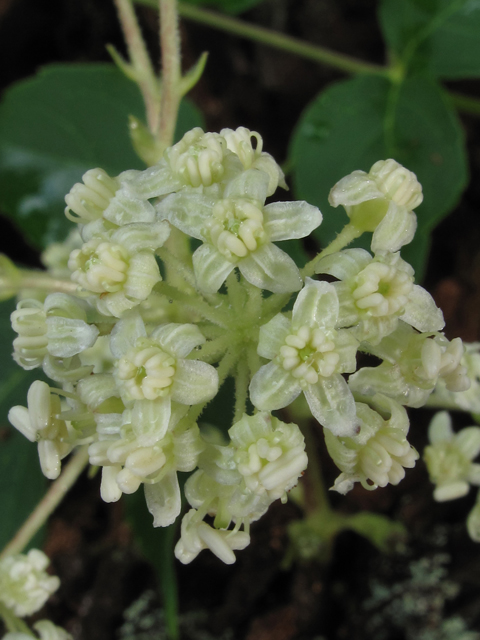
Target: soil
[[430, 582]]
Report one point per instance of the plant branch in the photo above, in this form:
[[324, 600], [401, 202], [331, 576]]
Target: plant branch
[[48, 504], [271, 38], [171, 72], [142, 65]]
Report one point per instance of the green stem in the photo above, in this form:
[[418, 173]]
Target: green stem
[[241, 389], [177, 266], [227, 363], [171, 72], [317, 499], [213, 350], [343, 239], [13, 623], [254, 303], [253, 360], [195, 303], [48, 504], [41, 280], [236, 293], [144, 72], [276, 40]]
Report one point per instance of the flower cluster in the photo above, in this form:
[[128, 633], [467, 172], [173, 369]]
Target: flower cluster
[[154, 329]]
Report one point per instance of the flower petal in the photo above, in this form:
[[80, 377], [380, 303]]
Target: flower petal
[[395, 230], [353, 189], [271, 268], [252, 184], [273, 388], [125, 208], [152, 182], [272, 336], [195, 381], [287, 220], [331, 403], [150, 420], [344, 264], [421, 311], [316, 305], [68, 336], [125, 334], [211, 268], [468, 441], [187, 212], [178, 339], [163, 500], [440, 428]]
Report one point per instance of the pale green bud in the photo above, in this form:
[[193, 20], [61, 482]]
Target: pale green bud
[[25, 585], [449, 458]]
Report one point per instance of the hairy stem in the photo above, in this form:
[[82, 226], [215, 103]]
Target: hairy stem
[[195, 303], [30, 279], [343, 239], [241, 389], [144, 72], [171, 72], [48, 504]]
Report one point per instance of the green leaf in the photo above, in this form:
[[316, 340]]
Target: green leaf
[[353, 124], [382, 532], [55, 126], [157, 547], [439, 35], [228, 6], [22, 483]]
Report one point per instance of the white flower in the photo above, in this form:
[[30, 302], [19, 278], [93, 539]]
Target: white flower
[[375, 292], [40, 422], [240, 142], [449, 458], [378, 453], [103, 197], [308, 354], [413, 364], [119, 266], [135, 448], [381, 201], [269, 454], [198, 161], [46, 631], [465, 398], [25, 586], [57, 327], [197, 535], [238, 230]]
